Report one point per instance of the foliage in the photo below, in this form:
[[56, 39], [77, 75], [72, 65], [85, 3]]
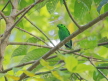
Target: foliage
[[45, 16]]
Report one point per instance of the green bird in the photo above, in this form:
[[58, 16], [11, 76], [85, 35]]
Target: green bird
[[63, 33]]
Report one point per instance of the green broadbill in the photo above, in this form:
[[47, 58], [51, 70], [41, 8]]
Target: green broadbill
[[63, 33]]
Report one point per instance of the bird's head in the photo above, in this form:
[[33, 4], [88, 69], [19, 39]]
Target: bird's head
[[60, 26]]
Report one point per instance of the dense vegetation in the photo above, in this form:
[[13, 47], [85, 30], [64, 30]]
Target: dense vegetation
[[30, 49]]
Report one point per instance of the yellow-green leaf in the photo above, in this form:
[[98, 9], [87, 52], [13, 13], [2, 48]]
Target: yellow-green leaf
[[29, 73], [61, 56], [71, 62], [39, 79], [44, 63], [12, 77], [57, 75], [83, 67]]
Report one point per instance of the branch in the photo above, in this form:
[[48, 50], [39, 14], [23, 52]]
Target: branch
[[40, 30], [71, 15], [98, 69], [4, 17], [31, 35], [6, 34], [83, 28]]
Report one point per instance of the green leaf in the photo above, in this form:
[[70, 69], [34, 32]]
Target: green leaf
[[81, 7], [98, 56], [102, 3], [106, 8], [71, 63], [25, 3], [22, 49], [51, 5], [90, 42], [40, 5], [97, 1], [61, 2], [44, 63], [83, 67], [34, 54], [21, 24], [8, 9], [61, 56], [29, 73]]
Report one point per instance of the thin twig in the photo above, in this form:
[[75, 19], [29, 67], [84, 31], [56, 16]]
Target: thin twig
[[5, 5], [31, 34], [21, 11], [102, 44], [12, 4], [103, 67], [39, 30], [98, 69], [6, 34], [20, 65], [4, 17], [71, 15]]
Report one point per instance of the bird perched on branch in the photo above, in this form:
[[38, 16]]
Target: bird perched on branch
[[63, 33]]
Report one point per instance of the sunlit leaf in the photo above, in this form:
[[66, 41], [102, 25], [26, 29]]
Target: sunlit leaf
[[28, 73], [62, 57], [90, 42], [12, 77], [83, 67], [39, 79], [71, 63], [57, 75], [46, 64]]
